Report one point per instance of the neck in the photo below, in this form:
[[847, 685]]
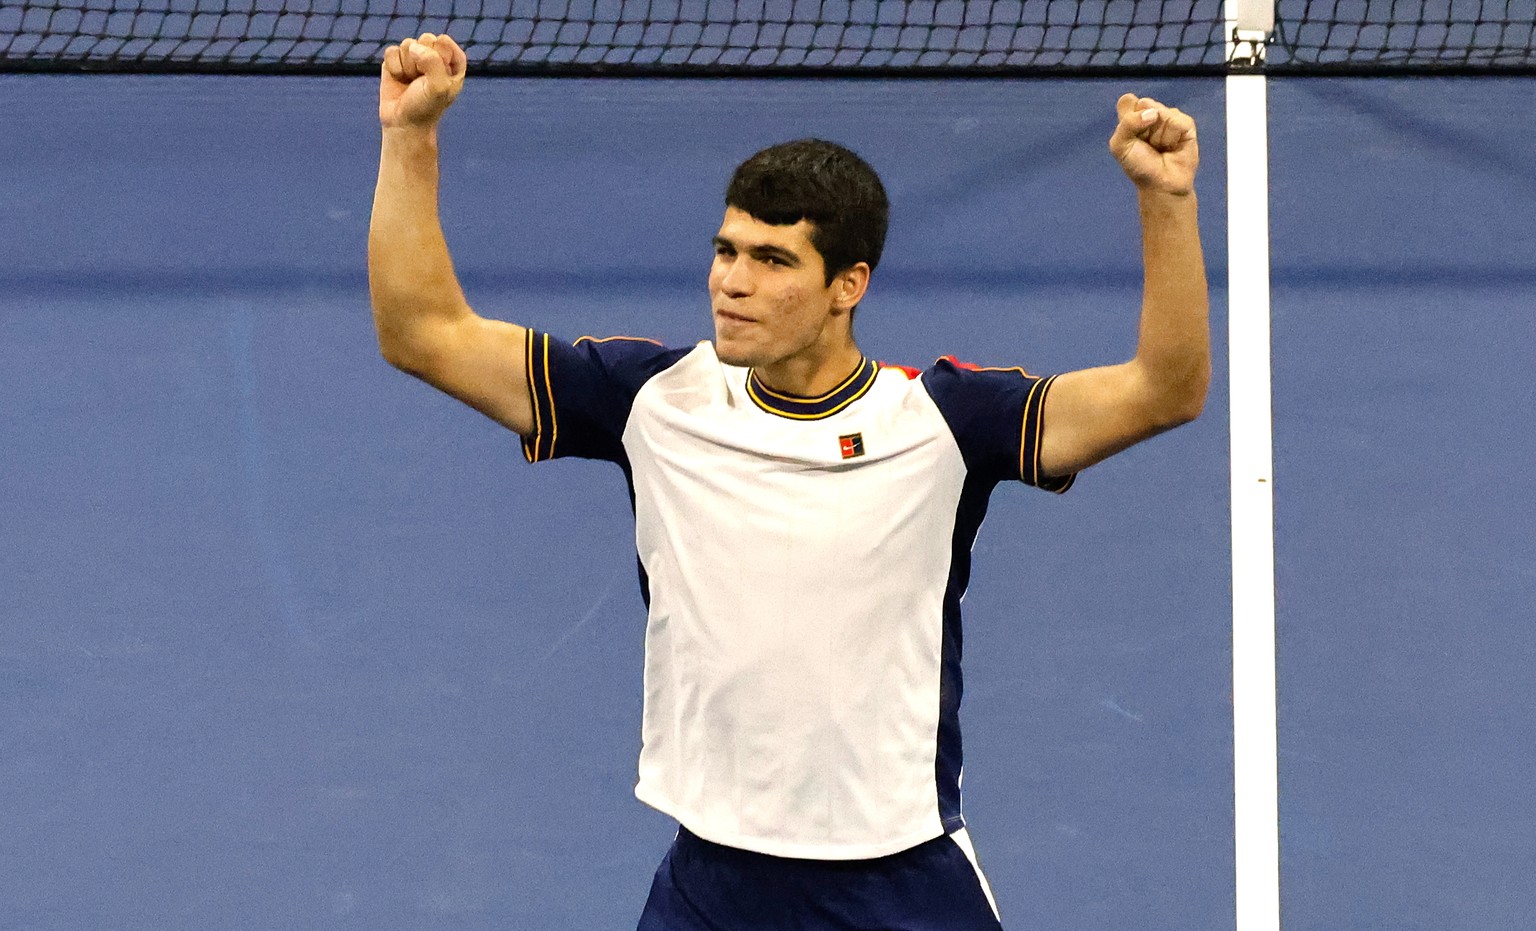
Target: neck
[[811, 376]]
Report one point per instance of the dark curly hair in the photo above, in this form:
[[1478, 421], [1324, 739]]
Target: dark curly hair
[[825, 183]]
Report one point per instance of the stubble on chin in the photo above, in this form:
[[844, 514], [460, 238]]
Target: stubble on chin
[[733, 355]]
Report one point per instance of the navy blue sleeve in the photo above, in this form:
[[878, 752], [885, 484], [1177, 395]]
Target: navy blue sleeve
[[997, 418], [582, 393]]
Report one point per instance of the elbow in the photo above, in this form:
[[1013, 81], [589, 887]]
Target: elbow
[[1190, 402], [397, 348], [410, 326], [391, 346], [405, 356], [1184, 401], [1186, 413], [395, 355]]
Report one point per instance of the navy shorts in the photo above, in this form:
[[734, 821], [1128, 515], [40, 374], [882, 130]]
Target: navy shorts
[[703, 886]]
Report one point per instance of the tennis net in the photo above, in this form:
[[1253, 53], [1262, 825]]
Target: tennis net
[[783, 37]]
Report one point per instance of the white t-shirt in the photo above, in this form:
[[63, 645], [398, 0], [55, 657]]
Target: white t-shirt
[[803, 561]]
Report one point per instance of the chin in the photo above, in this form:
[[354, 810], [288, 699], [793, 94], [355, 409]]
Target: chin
[[741, 360], [735, 354]]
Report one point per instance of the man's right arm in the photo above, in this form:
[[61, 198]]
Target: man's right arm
[[425, 326]]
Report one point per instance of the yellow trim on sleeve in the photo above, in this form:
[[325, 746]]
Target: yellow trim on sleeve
[[1029, 403], [549, 391], [1045, 387], [531, 443], [1057, 484]]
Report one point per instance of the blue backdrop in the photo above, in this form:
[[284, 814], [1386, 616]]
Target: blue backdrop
[[1404, 218], [288, 640]]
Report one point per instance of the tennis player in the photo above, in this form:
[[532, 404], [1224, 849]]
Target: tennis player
[[804, 515]]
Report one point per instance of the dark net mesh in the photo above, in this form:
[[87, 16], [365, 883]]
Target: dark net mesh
[[763, 37], [1387, 35]]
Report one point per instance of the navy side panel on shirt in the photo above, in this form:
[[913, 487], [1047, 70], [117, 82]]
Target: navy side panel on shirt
[[996, 417], [1000, 448], [582, 393]]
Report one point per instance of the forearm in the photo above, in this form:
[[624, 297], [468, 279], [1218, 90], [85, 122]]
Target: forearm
[[410, 272], [1173, 353]]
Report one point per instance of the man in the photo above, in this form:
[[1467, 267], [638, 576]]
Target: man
[[804, 515]]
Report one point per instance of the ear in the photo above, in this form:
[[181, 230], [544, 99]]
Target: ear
[[849, 285]]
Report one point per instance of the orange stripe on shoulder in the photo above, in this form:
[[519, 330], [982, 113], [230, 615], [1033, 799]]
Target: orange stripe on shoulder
[[609, 339], [907, 370], [973, 367]]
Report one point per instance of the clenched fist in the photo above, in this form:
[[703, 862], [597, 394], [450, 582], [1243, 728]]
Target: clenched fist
[[1155, 145], [420, 78]]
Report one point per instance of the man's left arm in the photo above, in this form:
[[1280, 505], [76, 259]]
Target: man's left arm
[[1092, 414]]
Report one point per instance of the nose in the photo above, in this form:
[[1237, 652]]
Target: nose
[[735, 277]]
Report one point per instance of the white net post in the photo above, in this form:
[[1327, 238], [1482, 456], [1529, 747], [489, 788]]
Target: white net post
[[1255, 737]]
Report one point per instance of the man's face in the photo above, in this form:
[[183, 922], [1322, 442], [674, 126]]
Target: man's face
[[768, 290]]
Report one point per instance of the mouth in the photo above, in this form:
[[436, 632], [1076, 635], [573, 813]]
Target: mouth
[[732, 316]]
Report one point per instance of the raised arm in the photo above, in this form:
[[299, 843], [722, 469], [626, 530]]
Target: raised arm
[[1094, 413], [425, 325]]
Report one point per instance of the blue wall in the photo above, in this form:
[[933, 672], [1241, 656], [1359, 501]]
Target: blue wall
[[288, 640], [1404, 219]]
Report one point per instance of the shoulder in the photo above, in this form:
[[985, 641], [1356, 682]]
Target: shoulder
[[630, 351], [995, 414], [623, 360], [584, 391], [949, 381], [950, 369]]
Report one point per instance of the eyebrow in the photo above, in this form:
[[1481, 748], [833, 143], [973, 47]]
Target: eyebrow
[[760, 251]]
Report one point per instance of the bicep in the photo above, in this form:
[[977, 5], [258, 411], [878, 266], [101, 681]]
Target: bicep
[[1094, 413], [479, 361]]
